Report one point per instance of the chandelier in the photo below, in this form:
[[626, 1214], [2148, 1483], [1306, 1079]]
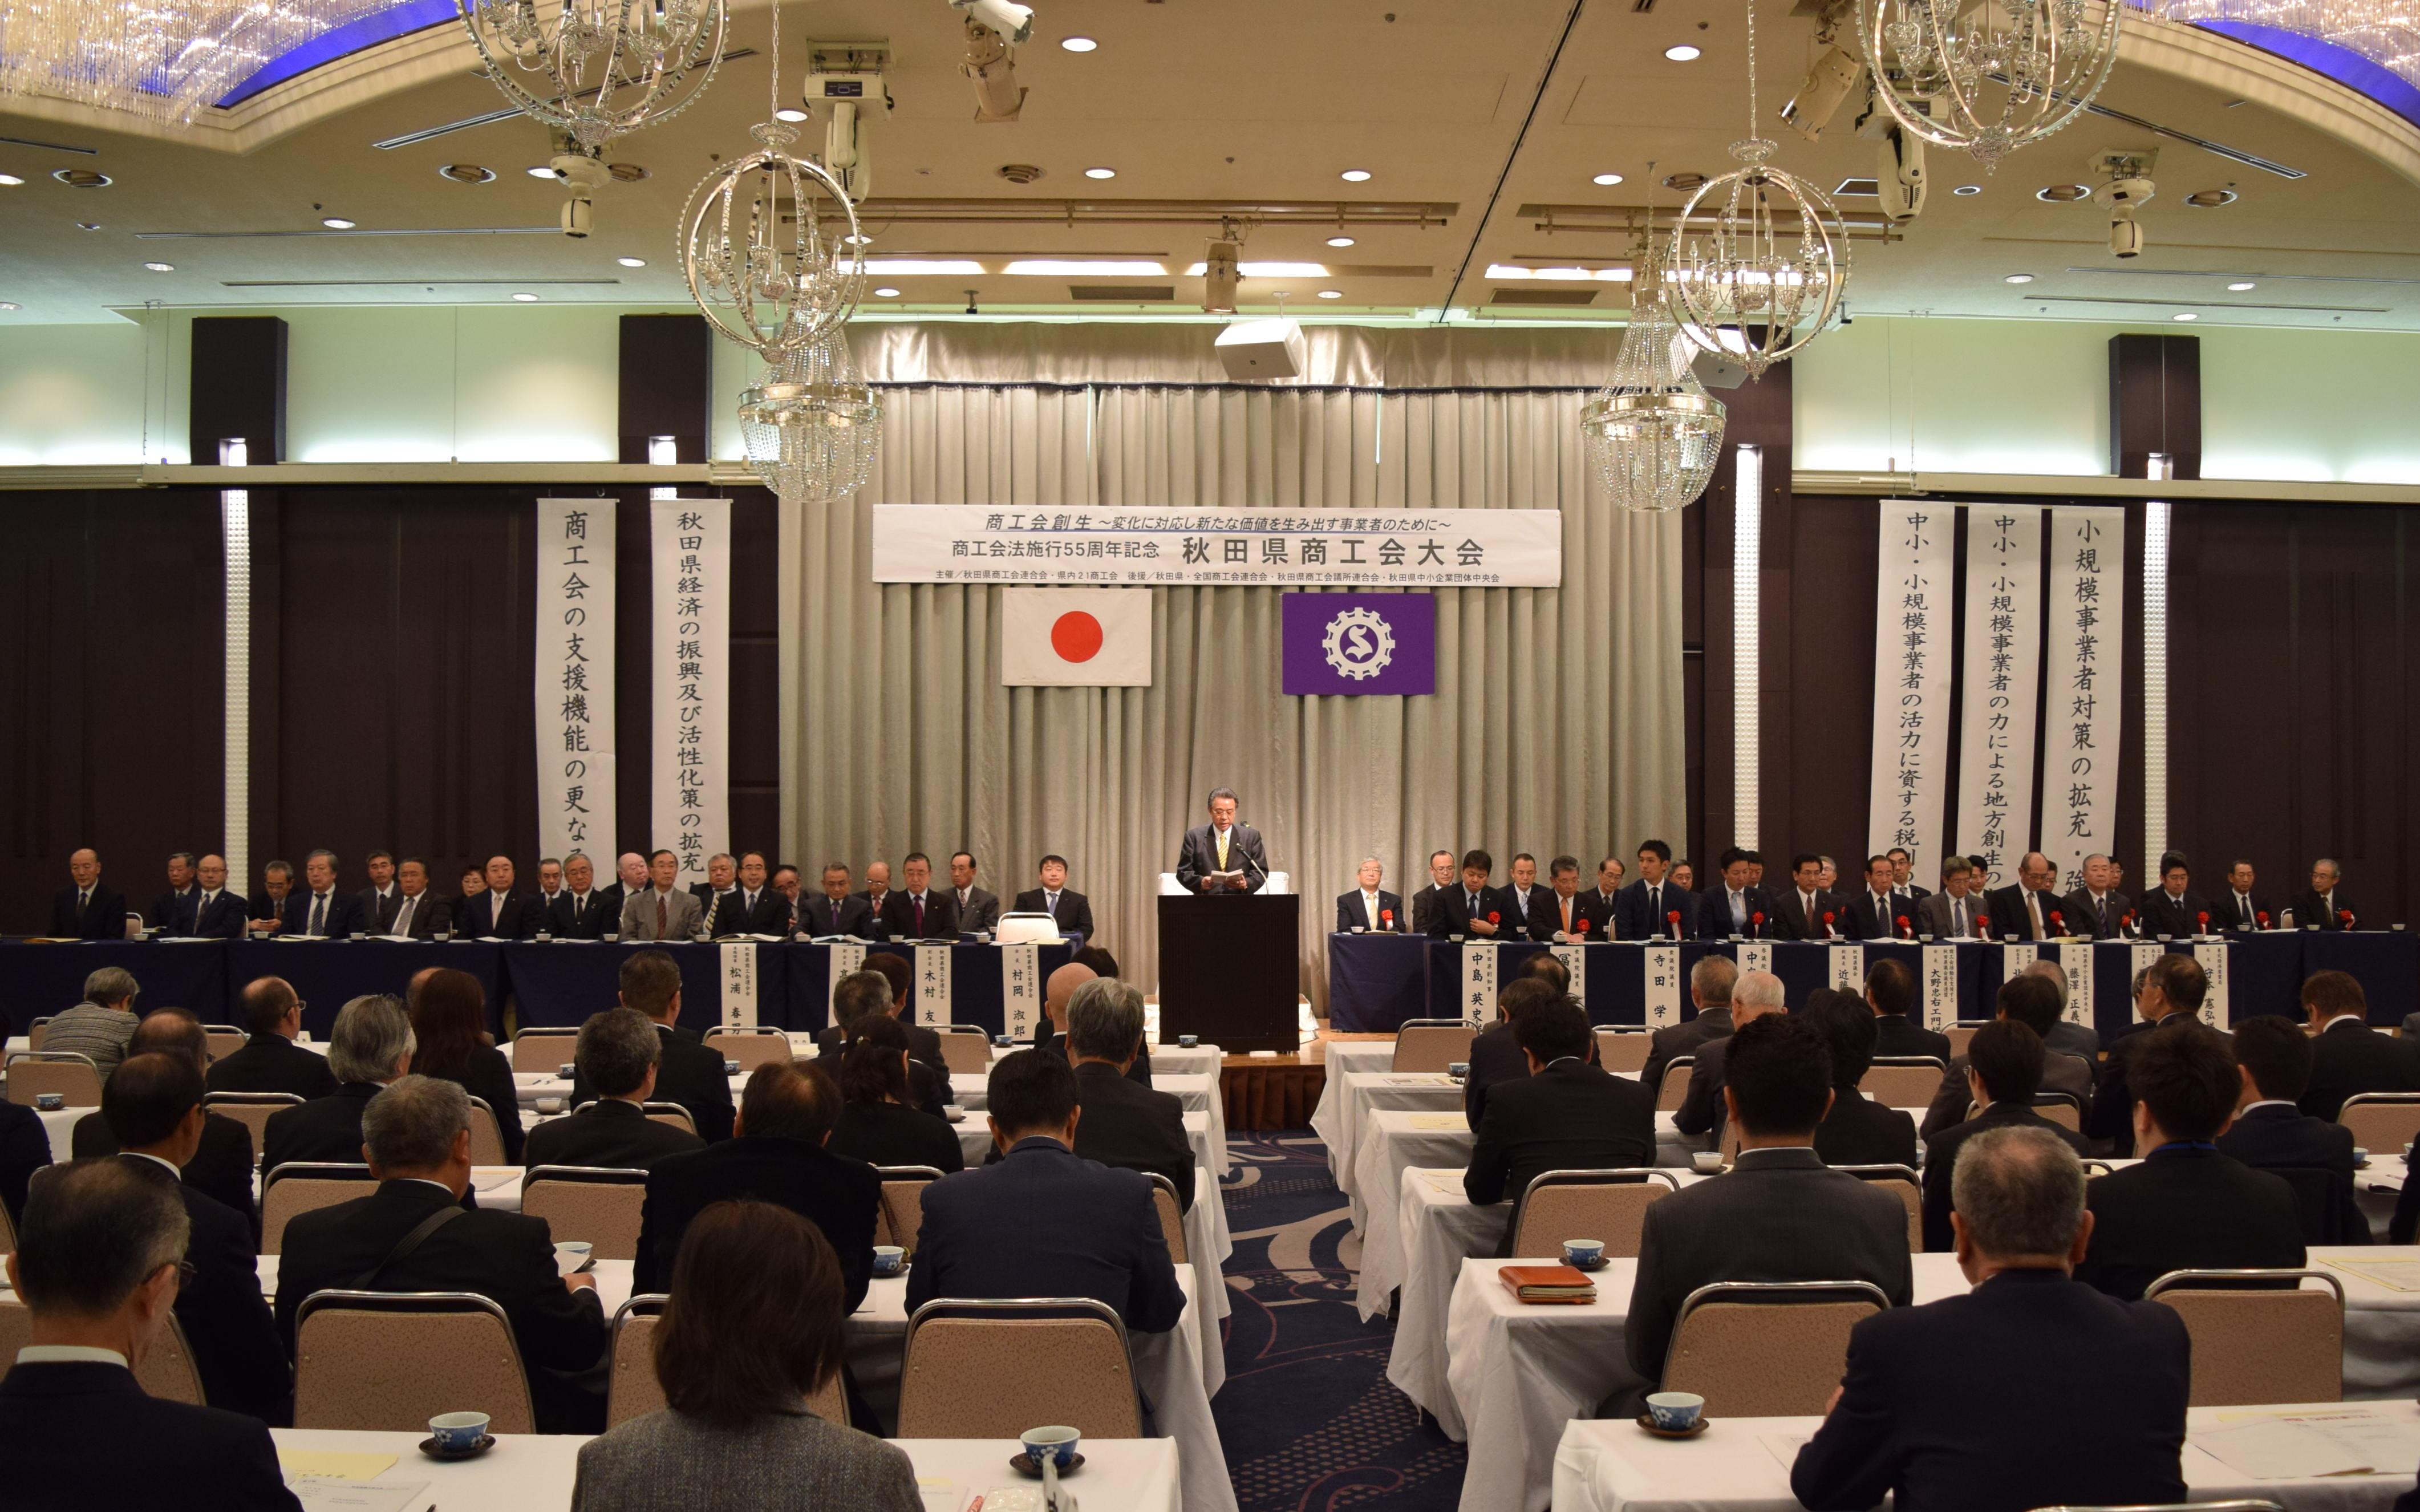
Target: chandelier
[[1653, 432], [1987, 76], [1774, 260], [594, 69], [811, 423], [157, 59]]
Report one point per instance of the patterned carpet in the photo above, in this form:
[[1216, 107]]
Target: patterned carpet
[[1308, 1418]]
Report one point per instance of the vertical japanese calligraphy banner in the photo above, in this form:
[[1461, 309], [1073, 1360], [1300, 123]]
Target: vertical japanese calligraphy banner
[[574, 681], [2085, 649], [1912, 672], [689, 541], [2001, 686]]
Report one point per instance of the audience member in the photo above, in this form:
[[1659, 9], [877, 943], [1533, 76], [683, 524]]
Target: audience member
[[1701, 1111], [1101, 963], [24, 1148], [100, 1026], [889, 982], [1890, 991], [1125, 1126], [616, 1053], [878, 1123], [2313, 1156], [449, 1012], [2347, 1055], [1565, 1115], [1045, 1222], [2033, 1001], [2168, 995], [2187, 1204], [1494, 1056], [689, 1072], [752, 1329], [269, 1060], [2003, 1067], [370, 1047], [2080, 1041], [221, 1166], [775, 1154], [1713, 984], [1058, 991], [97, 1265], [413, 1234], [1858, 1131], [2028, 1391]]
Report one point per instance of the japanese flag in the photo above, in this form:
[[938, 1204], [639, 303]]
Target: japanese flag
[[1076, 637]]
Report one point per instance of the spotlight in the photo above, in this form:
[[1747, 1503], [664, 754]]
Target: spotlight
[[886, 293], [991, 67], [632, 263], [791, 113], [1219, 277], [540, 173], [1331, 293], [10, 180], [1834, 77], [850, 86], [2018, 278], [1101, 173]]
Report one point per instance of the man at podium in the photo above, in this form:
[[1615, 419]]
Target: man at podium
[[1222, 856]]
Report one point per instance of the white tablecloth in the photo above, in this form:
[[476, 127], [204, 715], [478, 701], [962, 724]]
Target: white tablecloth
[[1169, 1059], [529, 1087], [1360, 1095], [61, 1125], [1342, 1058], [1392, 1141], [1614, 1467], [1198, 1093], [533, 1472]]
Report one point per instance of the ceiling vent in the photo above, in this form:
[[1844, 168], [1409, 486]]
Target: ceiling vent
[[1570, 297], [1121, 293], [1020, 173]]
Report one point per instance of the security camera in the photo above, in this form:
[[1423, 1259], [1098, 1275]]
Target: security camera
[[1836, 76], [578, 217], [1219, 278], [1898, 175], [850, 99], [993, 71], [1014, 21], [583, 174], [2125, 237]]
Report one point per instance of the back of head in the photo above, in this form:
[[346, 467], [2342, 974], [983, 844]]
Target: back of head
[[898, 976], [1890, 986], [2327, 994], [1522, 993], [448, 1021], [110, 986], [2007, 1056], [1061, 988], [1031, 1092], [172, 1032], [2032, 1001], [1100, 962], [1848, 1031], [1104, 1019], [2187, 1078], [650, 981], [871, 1069], [860, 994], [92, 1231], [789, 1099], [1554, 1029], [266, 1002], [2020, 1192], [614, 1050], [1714, 980], [754, 1323], [148, 1096], [1546, 967], [1779, 1070], [2278, 1053], [2053, 973], [372, 1034], [2181, 980], [411, 1125], [1756, 992]]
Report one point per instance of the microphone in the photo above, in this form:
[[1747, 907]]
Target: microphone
[[1247, 852]]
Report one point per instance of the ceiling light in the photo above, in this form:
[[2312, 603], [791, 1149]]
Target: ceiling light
[[2184, 314], [1340, 240], [1355, 176], [10, 305], [2211, 198], [1683, 54], [81, 177], [790, 113], [10, 180], [467, 172], [525, 299], [2240, 289], [1079, 267], [1968, 189], [2063, 194], [1606, 180], [88, 226], [160, 267], [1563, 275], [1101, 173], [886, 293], [632, 263], [921, 267], [543, 172], [1266, 270], [336, 222], [1331, 293], [1077, 45], [2018, 278]]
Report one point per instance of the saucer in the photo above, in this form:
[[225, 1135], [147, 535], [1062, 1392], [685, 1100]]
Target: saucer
[[1024, 1464], [487, 1441], [1598, 1264], [1647, 1420]]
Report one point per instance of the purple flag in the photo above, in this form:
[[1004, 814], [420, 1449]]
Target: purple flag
[[1358, 643]]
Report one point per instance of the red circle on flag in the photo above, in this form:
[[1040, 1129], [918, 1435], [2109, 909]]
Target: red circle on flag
[[1076, 636]]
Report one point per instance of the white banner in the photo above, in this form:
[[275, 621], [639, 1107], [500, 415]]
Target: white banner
[[2016, 958], [1939, 986], [1156, 544], [1755, 955], [1847, 964], [2215, 1009], [2142, 953], [573, 683], [739, 959], [2075, 958], [1660, 968], [933, 986], [1020, 990], [2086, 647], [2000, 686], [689, 541], [1478, 985], [1915, 571], [844, 960], [1574, 959]]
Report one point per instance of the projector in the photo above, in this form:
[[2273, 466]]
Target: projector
[[1262, 349]]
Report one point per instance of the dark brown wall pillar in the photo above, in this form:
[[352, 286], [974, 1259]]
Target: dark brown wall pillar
[[2154, 403], [239, 383], [667, 384]]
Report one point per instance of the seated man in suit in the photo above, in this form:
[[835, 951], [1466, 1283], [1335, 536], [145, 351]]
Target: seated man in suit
[[2029, 999], [2097, 910], [2002, 1069], [1125, 1125], [2169, 996], [883, 987], [416, 1134], [2240, 909], [1876, 908], [2027, 909], [1058, 993], [1496, 1056], [1368, 906], [1043, 1222], [616, 1055], [265, 914], [179, 898], [221, 1166], [1702, 1111], [269, 1060], [916, 912], [370, 1047], [838, 911], [1800, 909], [1648, 905], [154, 1104], [1713, 982], [687, 1071], [2323, 903], [714, 900], [775, 1154], [212, 912], [759, 908], [88, 907], [1903, 875], [1472, 909], [100, 1026], [1890, 990], [2080, 1041], [317, 910], [419, 912], [1528, 913], [1858, 1131], [1565, 1115], [1213, 855], [2028, 1391], [2313, 1156], [1568, 915], [1735, 905], [1072, 909], [2187, 1204], [97, 1267], [1424, 902], [662, 910], [1780, 1215], [2347, 1055], [379, 900], [1955, 912], [2172, 910], [978, 910]]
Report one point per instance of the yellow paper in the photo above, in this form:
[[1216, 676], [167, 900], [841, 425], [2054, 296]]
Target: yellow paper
[[334, 1462], [1440, 1121]]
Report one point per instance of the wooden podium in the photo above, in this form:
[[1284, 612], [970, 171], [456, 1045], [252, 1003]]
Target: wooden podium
[[1229, 971]]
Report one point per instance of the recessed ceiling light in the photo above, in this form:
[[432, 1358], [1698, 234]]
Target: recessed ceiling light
[[10, 180], [1101, 173], [160, 267], [336, 222], [525, 299], [1968, 189], [542, 173], [2211, 198], [856, 238], [1340, 240], [632, 263], [1331, 293], [2018, 278], [10, 305], [790, 113], [886, 293], [1355, 176], [2239, 288], [88, 226], [1077, 45], [1606, 180], [2184, 314], [467, 172], [81, 177], [2063, 194], [1683, 54]]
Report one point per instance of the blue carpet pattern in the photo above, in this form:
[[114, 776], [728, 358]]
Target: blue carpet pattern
[[1308, 1418]]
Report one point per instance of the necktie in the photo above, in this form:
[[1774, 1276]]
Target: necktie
[[1223, 851], [319, 914], [920, 915], [663, 916], [1567, 915], [1958, 916], [1655, 909], [403, 918], [200, 905], [1050, 904], [83, 900], [2033, 906], [1739, 909]]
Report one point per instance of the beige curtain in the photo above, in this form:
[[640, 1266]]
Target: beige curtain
[[1556, 726]]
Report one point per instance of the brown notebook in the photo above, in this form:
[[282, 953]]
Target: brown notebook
[[1546, 1283]]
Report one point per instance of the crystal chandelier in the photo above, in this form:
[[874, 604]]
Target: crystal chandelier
[[812, 424], [594, 70], [1653, 432], [159, 60], [1772, 261], [1987, 77]]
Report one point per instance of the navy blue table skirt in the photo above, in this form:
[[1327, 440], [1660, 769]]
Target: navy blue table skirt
[[38, 980], [558, 985], [975, 990]]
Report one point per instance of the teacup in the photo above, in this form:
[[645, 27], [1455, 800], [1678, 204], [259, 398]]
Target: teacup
[[456, 1432], [1189, 1041], [611, 937], [1706, 1162], [50, 1102], [888, 1259], [1457, 1070], [579, 1249], [2360, 1156], [731, 1068], [1056, 1445], [1676, 1412], [566, 1070], [1583, 1253], [954, 1113], [550, 1104], [1004, 1042]]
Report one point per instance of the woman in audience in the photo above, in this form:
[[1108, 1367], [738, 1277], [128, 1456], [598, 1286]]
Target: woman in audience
[[449, 1012], [880, 1123], [752, 1330]]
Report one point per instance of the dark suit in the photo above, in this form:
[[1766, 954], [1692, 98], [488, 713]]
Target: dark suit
[[1861, 1131], [1128, 1127], [1778, 1216], [1933, 916], [839, 1196], [24, 1148], [1715, 915], [543, 910], [261, 906], [505, 1258], [1455, 909], [2010, 916], [1792, 920], [234, 1339], [1496, 1058], [273, 1063], [429, 914], [570, 919], [486, 1074], [1688, 1037], [2310, 1155], [2030, 1391], [607, 1132], [324, 1128], [220, 1170], [164, 909], [1352, 913], [2061, 1072], [890, 1133], [1198, 857], [1585, 925], [2187, 1208], [1424, 904], [2176, 918], [874, 910], [103, 918], [1048, 1039], [1702, 1111], [1570, 1116], [378, 909], [1863, 920], [2348, 1057], [978, 912], [929, 1072], [2309, 909], [1074, 914], [1898, 1034], [339, 920], [2112, 1113], [1536, 917], [688, 1073], [222, 918], [1640, 919], [2240, 915], [1941, 1160], [81, 1434], [819, 916], [500, 915], [2104, 920], [941, 916], [1045, 1222]]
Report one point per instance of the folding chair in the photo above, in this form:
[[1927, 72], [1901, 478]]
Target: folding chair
[[600, 1203], [1070, 1352], [1772, 1349], [2382, 1121], [250, 1109], [1674, 1088], [1431, 1044], [2284, 1343], [2059, 1107], [966, 1048], [1171, 1216], [385, 1362], [1961, 1033], [901, 1216], [1903, 1184], [1903, 1081], [669, 1113], [544, 1050], [634, 1390], [304, 1186], [224, 1040], [1623, 1051], [35, 1031], [73, 1076], [761, 1045], [1610, 1206], [487, 1135]]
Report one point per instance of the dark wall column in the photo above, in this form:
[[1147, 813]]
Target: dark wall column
[[2154, 403], [667, 384], [239, 387]]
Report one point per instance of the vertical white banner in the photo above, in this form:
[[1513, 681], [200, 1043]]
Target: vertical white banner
[[1574, 959], [2085, 649], [1020, 990], [573, 679], [1939, 986], [2216, 1012], [1848, 967], [2016, 958], [2000, 686], [933, 985], [1478, 985], [689, 541], [1912, 671], [843, 961], [1755, 955], [1660, 976], [2075, 958], [739, 961], [2142, 954]]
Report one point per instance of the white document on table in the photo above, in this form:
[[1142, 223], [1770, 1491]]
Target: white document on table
[[1783, 1447], [1439, 1122], [940, 1494], [2395, 1275], [320, 1493], [2280, 1448]]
